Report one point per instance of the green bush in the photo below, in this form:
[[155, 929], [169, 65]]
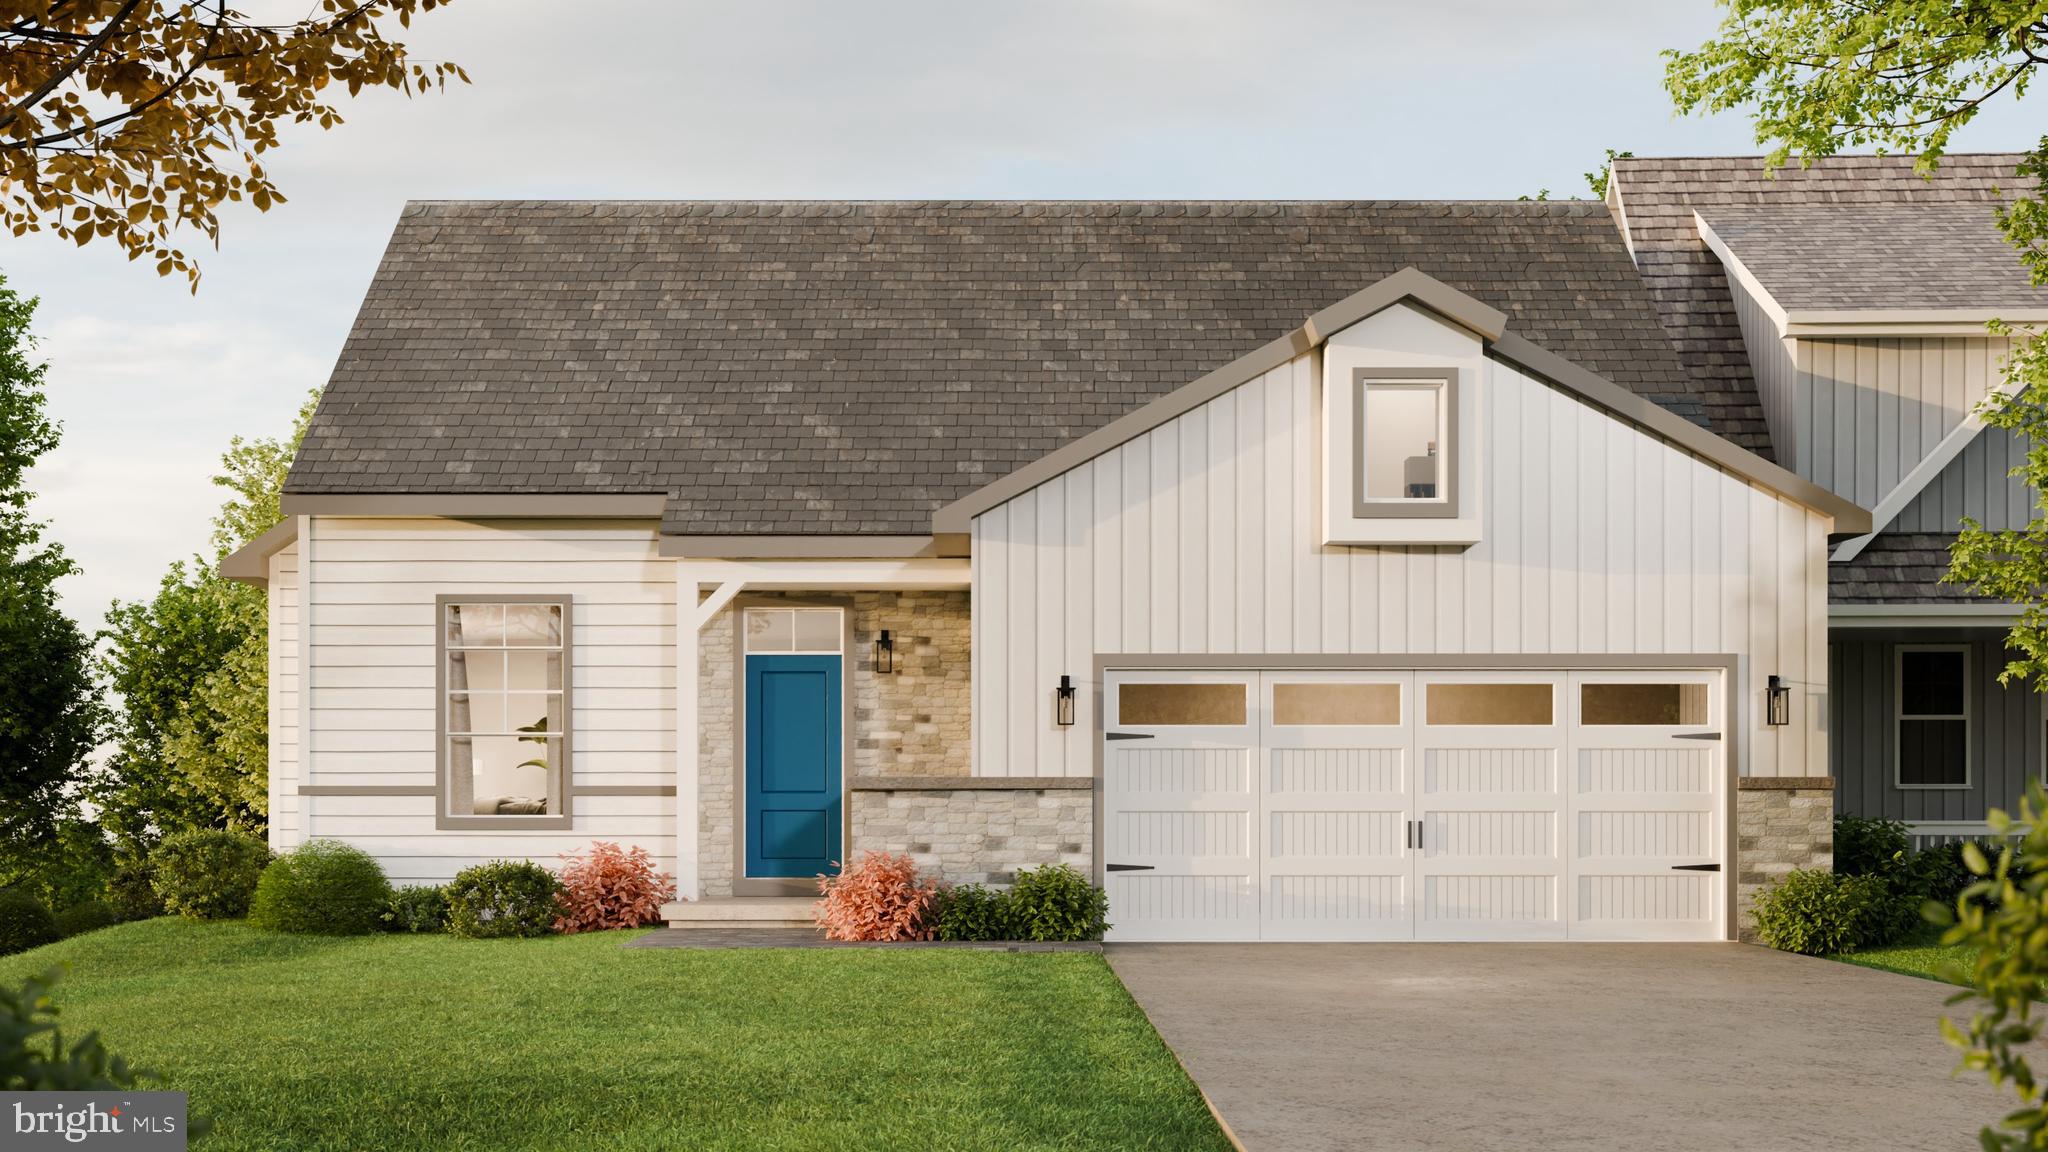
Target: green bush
[[34, 1057], [502, 898], [90, 916], [132, 889], [417, 910], [207, 873], [24, 923], [971, 912], [1056, 903], [1820, 913], [1865, 847], [321, 888]]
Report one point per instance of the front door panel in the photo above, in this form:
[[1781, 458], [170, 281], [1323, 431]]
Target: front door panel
[[793, 805]]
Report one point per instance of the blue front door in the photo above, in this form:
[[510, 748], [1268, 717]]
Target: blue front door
[[793, 805]]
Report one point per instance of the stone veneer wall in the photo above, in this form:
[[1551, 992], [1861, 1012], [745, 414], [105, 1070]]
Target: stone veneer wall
[[978, 834], [913, 722], [1781, 823]]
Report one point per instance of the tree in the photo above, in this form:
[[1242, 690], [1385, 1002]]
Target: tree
[[123, 119], [49, 711], [1906, 75], [1597, 179], [191, 747]]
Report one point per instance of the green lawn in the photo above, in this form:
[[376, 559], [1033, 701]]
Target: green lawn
[[412, 1042], [1924, 956]]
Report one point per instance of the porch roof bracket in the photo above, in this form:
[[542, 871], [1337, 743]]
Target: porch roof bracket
[[719, 598]]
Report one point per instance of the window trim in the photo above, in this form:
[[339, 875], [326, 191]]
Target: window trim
[[444, 820], [1899, 716], [1444, 509]]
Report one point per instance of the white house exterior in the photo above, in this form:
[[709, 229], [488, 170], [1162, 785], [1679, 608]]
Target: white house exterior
[[581, 561]]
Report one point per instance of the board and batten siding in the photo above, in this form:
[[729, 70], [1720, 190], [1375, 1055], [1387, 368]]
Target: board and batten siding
[[1866, 411], [1772, 362], [369, 613], [1198, 537], [282, 602], [1978, 482], [2006, 734]]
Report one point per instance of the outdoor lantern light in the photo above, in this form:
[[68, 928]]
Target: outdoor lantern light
[[1777, 702], [1063, 702], [885, 653]]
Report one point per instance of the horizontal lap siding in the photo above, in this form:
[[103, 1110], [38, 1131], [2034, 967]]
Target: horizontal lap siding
[[283, 605], [1197, 537], [2005, 727], [372, 680]]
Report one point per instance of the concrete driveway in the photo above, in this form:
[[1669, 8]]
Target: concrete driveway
[[1571, 1046]]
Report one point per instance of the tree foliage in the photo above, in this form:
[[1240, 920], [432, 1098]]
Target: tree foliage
[[49, 713], [125, 119], [192, 671]]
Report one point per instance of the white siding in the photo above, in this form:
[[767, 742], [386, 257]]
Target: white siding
[[1777, 376], [1198, 537], [283, 597], [370, 614]]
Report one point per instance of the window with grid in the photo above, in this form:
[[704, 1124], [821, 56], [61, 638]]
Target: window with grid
[[504, 680]]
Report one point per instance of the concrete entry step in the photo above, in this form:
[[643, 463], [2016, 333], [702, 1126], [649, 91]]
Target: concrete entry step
[[740, 911]]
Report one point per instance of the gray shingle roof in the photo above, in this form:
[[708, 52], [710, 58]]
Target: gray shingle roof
[[849, 367], [1843, 257], [1657, 198], [1899, 568]]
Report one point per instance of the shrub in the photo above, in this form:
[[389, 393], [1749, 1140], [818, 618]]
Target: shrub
[[1865, 847], [207, 873], [1819, 913], [422, 909], [321, 888], [878, 898], [612, 887], [132, 889], [90, 916], [971, 912], [1057, 903], [24, 923], [34, 1057], [502, 898]]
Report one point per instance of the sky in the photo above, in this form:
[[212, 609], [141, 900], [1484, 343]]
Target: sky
[[677, 99]]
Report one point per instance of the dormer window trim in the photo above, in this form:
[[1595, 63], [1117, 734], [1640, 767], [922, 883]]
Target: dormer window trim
[[1444, 446]]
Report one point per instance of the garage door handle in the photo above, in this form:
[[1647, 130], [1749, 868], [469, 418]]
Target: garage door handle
[[1127, 735], [1695, 735], [1128, 867], [1695, 867]]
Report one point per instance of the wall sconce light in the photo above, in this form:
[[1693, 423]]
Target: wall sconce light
[[1777, 702], [885, 653], [1063, 702]]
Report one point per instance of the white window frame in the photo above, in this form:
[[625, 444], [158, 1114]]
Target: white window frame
[[1899, 717], [1444, 505], [446, 820]]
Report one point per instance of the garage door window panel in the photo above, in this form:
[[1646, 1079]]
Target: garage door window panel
[[1604, 704], [1182, 705], [1472, 704], [1933, 684]]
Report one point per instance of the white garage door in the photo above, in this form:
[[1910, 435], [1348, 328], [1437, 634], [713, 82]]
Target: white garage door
[[1433, 805]]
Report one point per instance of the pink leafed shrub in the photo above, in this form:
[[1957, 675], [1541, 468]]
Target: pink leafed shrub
[[878, 898], [612, 887]]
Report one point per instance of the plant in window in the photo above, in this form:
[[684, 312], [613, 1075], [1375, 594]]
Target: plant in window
[[611, 887], [878, 898]]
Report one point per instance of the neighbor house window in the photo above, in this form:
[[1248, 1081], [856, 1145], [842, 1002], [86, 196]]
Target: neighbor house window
[[504, 711], [1405, 443], [1934, 716]]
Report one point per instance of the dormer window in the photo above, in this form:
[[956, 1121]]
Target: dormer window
[[1406, 442]]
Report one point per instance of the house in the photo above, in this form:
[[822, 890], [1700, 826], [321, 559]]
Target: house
[[1338, 571], [1834, 319]]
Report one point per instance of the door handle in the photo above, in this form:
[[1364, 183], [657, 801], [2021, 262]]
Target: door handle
[[1695, 867], [1695, 735], [1128, 867], [1127, 735]]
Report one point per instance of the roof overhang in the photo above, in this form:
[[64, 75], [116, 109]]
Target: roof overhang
[[479, 505], [800, 547], [250, 564], [1412, 286]]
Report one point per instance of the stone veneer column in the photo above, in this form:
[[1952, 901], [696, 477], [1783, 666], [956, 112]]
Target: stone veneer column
[[1781, 823]]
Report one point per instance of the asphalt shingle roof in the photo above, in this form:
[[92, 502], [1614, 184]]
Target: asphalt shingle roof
[[1899, 568], [850, 367], [1657, 198], [1847, 257]]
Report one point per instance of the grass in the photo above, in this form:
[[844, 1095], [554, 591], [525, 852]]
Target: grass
[[1924, 956], [429, 1042]]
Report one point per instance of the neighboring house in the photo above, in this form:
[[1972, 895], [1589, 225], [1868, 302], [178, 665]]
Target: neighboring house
[[1834, 316], [1300, 571]]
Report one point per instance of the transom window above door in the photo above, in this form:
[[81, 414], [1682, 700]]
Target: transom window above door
[[801, 631], [503, 684]]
